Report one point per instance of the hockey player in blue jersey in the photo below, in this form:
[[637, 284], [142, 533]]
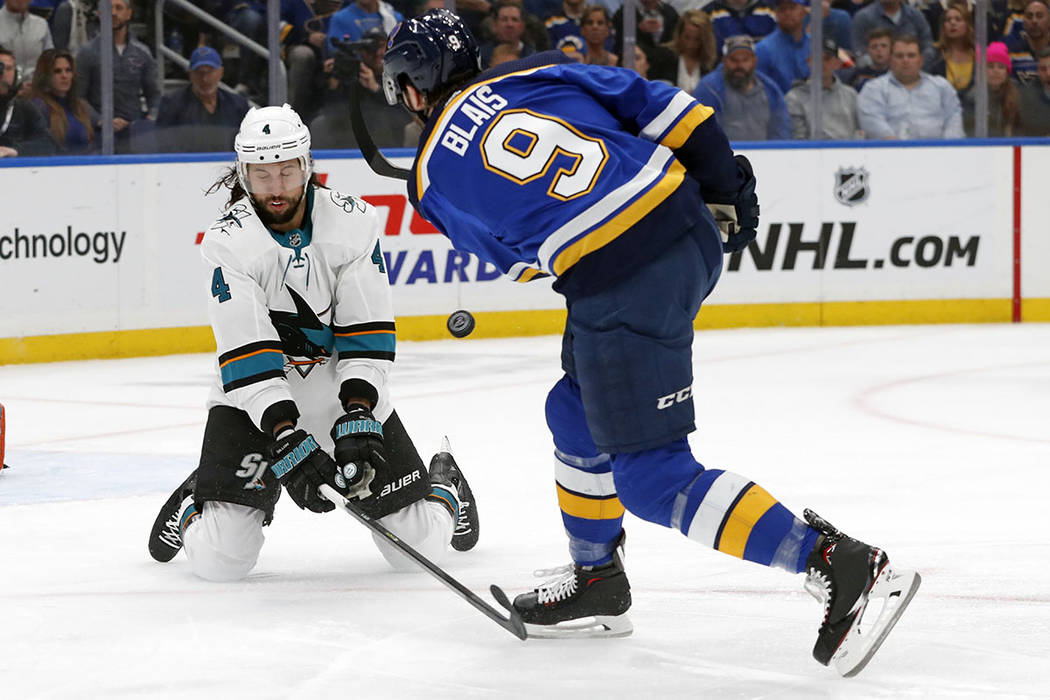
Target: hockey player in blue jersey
[[609, 182]]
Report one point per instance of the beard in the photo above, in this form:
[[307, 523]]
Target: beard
[[738, 81], [271, 219]]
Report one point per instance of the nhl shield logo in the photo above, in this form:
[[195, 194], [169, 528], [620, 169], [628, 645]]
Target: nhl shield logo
[[851, 186]]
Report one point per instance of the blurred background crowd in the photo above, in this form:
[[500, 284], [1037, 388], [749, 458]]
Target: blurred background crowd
[[891, 69]]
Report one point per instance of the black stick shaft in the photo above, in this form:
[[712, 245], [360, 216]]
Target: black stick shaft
[[376, 160], [513, 624]]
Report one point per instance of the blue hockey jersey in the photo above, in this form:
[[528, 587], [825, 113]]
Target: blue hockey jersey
[[545, 166]]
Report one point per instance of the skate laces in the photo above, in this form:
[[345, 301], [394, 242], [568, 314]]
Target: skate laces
[[819, 586], [171, 535], [558, 588], [463, 522]]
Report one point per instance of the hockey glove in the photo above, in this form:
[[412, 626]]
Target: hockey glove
[[736, 213], [359, 450], [302, 466]]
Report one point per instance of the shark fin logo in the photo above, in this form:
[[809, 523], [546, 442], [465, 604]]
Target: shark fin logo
[[307, 341]]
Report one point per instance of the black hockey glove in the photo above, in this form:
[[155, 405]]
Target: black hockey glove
[[302, 466], [359, 450], [736, 213]]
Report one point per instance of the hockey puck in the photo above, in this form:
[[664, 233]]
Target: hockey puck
[[460, 323]]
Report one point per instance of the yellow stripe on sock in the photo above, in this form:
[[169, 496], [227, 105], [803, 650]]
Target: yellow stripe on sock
[[589, 508], [748, 511]]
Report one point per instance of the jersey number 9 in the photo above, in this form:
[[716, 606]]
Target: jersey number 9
[[524, 146]]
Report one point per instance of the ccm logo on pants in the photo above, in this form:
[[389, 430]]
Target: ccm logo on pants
[[671, 399]]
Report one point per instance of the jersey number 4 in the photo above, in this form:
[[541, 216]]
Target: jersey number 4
[[524, 146], [219, 289]]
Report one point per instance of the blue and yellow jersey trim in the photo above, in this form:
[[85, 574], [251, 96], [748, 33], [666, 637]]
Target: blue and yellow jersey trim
[[628, 204], [252, 363], [375, 340]]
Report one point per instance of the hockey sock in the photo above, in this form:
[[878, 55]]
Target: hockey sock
[[188, 516], [590, 510], [718, 508], [447, 498]]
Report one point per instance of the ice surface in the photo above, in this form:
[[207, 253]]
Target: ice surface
[[930, 441]]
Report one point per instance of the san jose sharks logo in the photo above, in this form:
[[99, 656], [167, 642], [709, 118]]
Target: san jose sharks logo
[[231, 219], [307, 342], [349, 204]]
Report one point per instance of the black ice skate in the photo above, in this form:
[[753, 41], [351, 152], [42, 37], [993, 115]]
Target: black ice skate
[[848, 576], [165, 539], [444, 470], [580, 602]]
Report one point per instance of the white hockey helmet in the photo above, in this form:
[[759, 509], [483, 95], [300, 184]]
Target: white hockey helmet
[[272, 135]]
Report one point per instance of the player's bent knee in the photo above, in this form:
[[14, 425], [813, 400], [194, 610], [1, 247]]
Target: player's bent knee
[[648, 482], [223, 543], [424, 526]]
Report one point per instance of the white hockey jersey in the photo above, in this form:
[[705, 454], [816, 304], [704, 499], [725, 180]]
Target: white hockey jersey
[[297, 314]]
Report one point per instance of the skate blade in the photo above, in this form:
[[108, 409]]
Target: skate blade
[[895, 588], [594, 627]]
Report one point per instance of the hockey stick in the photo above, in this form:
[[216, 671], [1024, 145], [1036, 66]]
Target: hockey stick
[[376, 160], [513, 624]]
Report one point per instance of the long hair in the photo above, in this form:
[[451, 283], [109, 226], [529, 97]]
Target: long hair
[[1010, 102], [229, 181], [41, 88], [968, 39], [707, 54]]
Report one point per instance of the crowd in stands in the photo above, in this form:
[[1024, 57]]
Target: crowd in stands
[[891, 69]]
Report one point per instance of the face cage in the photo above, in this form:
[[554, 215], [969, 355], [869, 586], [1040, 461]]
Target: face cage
[[305, 167]]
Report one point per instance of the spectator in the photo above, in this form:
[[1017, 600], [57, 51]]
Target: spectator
[[70, 119], [24, 34], [641, 62], [907, 103], [872, 64], [564, 30], [306, 43], [503, 53], [1035, 100], [838, 118], [351, 22], [729, 18], [134, 77], [694, 45], [954, 59], [656, 21], [535, 29], [200, 118], [23, 131], [509, 28], [1029, 43], [749, 105], [837, 24], [386, 124], [782, 55], [898, 17], [596, 28], [1003, 97]]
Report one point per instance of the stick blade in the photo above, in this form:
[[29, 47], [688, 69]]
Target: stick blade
[[517, 625]]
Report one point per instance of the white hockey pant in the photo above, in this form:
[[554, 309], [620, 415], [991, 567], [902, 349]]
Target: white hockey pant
[[224, 541]]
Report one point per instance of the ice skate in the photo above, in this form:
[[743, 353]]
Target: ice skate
[[165, 539], [849, 577], [579, 602], [444, 470]]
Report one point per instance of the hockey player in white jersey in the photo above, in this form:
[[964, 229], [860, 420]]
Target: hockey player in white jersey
[[301, 311]]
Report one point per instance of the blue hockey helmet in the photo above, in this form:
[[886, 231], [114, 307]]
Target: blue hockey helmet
[[432, 51]]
